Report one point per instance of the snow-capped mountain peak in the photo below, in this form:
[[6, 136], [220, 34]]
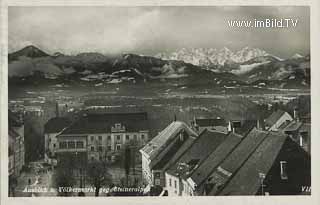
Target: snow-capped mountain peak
[[213, 56]]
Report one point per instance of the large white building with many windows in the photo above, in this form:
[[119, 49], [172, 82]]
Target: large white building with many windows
[[103, 136]]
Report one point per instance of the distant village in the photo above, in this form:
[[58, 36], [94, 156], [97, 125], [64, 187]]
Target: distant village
[[199, 157]]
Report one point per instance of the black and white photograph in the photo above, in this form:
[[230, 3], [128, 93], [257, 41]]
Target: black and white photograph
[[161, 101]]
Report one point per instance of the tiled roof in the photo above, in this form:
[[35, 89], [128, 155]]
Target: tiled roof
[[274, 117], [159, 142], [205, 144], [56, 125], [236, 159], [247, 181], [215, 158], [207, 122], [102, 123]]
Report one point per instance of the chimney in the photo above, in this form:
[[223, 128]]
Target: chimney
[[260, 124], [57, 109], [296, 114]]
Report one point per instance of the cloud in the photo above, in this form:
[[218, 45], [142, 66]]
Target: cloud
[[149, 30]]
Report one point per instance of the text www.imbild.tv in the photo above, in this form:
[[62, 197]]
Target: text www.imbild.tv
[[264, 23]]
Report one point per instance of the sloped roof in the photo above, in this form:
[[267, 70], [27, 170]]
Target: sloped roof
[[102, 123], [205, 144], [175, 151], [215, 158], [292, 126], [236, 159], [274, 117], [306, 127], [56, 124], [206, 122], [246, 181], [157, 144]]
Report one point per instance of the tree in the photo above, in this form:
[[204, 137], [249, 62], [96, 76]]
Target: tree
[[98, 175], [63, 178]]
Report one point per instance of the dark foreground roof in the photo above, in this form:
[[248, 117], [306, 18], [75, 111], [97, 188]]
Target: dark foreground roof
[[215, 158], [102, 123], [205, 144], [56, 125], [247, 181]]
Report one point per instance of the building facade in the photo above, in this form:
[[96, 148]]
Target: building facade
[[103, 136]]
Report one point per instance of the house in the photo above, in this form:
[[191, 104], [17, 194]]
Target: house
[[157, 153], [178, 173], [277, 120], [52, 128], [300, 132], [16, 148], [278, 166], [218, 124], [103, 136]]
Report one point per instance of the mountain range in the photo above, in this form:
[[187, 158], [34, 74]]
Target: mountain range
[[190, 66]]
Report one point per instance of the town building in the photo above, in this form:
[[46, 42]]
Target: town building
[[103, 136], [217, 124], [52, 129], [16, 148], [16, 144], [178, 173], [160, 151], [277, 120], [260, 163]]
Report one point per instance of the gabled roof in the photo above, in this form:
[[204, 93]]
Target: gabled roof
[[159, 142], [236, 159], [274, 117], [246, 181], [215, 158], [205, 144], [175, 151], [56, 125], [102, 123], [292, 126], [208, 122]]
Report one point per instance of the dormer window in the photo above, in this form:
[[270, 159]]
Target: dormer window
[[283, 170], [117, 125]]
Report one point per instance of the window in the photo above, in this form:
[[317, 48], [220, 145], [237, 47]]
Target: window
[[92, 148], [118, 125], [135, 137], [175, 184], [301, 141], [100, 148], [54, 145], [92, 138], [170, 182], [109, 137], [118, 137], [71, 145], [63, 145], [157, 175], [100, 138], [92, 158], [79, 144], [49, 139], [118, 147], [109, 148], [142, 137], [127, 137], [283, 170]]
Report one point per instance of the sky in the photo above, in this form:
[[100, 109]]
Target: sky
[[151, 30]]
